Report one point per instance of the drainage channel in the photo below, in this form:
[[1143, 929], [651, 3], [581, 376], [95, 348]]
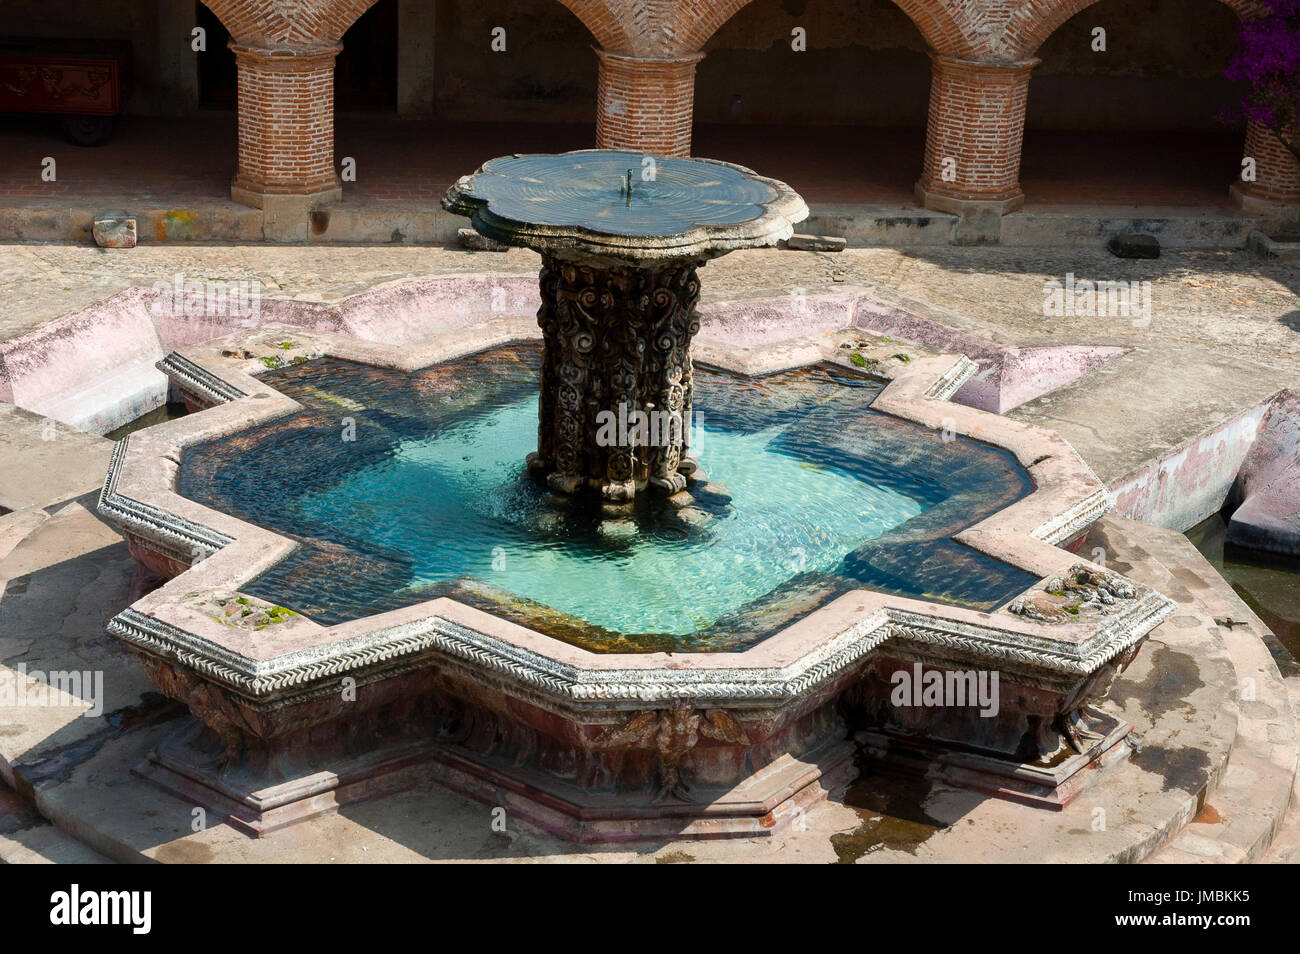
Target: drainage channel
[[1268, 583], [159, 415]]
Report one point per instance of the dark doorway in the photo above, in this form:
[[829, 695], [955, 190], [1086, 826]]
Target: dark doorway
[[365, 75], [217, 88]]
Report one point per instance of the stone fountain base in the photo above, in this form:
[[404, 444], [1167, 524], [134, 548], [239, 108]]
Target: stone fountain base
[[765, 803], [1053, 785], [597, 775], [258, 803]]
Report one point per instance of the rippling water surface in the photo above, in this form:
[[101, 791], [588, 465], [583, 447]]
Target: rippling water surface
[[406, 487]]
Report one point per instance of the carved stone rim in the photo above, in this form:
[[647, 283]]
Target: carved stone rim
[[139, 496], [283, 679]]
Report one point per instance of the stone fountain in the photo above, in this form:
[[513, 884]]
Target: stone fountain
[[621, 237], [296, 713]]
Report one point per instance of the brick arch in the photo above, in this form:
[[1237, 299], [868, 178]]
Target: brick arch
[[949, 26], [671, 28], [653, 29], [946, 25], [289, 24], [1032, 23], [606, 21]]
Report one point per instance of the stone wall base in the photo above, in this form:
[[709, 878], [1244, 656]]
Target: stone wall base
[[285, 218]]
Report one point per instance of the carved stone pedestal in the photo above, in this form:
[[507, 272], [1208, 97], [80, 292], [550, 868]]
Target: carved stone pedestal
[[615, 405]]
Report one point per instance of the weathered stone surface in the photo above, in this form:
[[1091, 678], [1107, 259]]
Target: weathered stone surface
[[1134, 246], [1079, 594], [1268, 484], [1179, 700], [43, 462], [114, 230], [1285, 248]]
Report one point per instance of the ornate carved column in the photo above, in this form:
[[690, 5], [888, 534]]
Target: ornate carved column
[[616, 384]]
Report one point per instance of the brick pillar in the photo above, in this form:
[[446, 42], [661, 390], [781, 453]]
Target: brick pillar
[[286, 129], [646, 105], [1277, 173], [977, 119]]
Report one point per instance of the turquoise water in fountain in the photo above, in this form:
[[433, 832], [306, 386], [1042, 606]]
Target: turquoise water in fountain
[[406, 487], [465, 511]]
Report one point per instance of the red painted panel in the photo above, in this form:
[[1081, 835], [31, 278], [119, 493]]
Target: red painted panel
[[78, 77]]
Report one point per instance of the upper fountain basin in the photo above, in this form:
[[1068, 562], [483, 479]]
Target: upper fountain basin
[[581, 202]]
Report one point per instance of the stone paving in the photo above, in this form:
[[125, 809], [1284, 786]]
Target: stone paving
[[1229, 302]]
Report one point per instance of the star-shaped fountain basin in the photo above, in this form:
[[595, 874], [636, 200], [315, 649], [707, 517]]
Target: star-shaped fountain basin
[[626, 204]]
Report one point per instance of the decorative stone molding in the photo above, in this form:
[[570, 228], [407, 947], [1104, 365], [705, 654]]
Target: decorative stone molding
[[152, 523], [198, 381]]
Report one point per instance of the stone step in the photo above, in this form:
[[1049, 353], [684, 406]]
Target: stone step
[[1121, 544], [1040, 227], [44, 844], [422, 221], [62, 571], [44, 462], [1285, 849], [1239, 816], [17, 526], [27, 838]]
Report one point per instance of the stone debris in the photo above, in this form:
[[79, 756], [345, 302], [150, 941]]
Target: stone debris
[[1279, 246], [1080, 594], [816, 243], [476, 241], [114, 229], [234, 609], [1134, 245]]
